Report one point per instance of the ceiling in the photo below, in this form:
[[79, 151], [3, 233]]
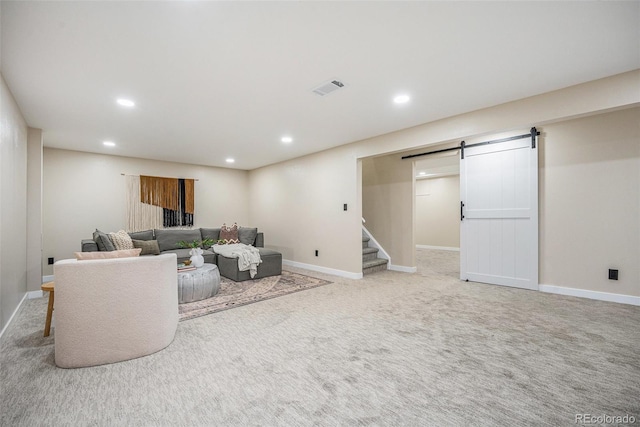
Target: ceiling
[[213, 80], [438, 165]]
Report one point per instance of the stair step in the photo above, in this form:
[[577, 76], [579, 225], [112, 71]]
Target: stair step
[[369, 254], [365, 242], [378, 264], [369, 257], [370, 261], [375, 262]]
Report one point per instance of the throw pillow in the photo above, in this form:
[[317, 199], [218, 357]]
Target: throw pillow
[[210, 233], [247, 235], [149, 247], [121, 240], [226, 242], [230, 234], [103, 241], [129, 253], [141, 235]]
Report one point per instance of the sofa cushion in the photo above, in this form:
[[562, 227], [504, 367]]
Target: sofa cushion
[[126, 253], [149, 247], [247, 235], [103, 241], [88, 245], [142, 235], [169, 239], [260, 240], [121, 240], [210, 233], [271, 265], [230, 234]]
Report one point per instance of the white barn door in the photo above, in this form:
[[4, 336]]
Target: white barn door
[[499, 214]]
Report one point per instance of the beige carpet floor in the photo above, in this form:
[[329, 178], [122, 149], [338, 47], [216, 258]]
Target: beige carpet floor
[[393, 349]]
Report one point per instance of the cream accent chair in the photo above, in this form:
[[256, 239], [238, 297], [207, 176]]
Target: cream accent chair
[[110, 310]]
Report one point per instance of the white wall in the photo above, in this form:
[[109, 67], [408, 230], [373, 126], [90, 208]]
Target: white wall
[[13, 205], [34, 209], [85, 191], [590, 203], [299, 205], [438, 212]]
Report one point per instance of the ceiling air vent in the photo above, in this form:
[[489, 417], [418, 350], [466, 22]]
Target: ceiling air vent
[[328, 87]]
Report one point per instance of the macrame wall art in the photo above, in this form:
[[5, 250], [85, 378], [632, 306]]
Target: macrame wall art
[[157, 202]]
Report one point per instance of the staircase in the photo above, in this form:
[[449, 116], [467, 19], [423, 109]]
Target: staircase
[[370, 261]]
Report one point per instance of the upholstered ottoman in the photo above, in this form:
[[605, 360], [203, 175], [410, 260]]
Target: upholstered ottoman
[[198, 284], [271, 266]]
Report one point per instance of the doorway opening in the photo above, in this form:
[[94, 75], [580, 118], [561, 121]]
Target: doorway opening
[[437, 224]]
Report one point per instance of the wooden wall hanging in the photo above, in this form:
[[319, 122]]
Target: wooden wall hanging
[[159, 202]]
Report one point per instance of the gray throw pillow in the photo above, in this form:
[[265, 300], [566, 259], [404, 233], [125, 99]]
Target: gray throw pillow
[[142, 235], [247, 235], [210, 233], [103, 241], [149, 247]]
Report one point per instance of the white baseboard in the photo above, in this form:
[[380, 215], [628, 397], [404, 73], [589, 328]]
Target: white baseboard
[[403, 269], [46, 279], [583, 293], [326, 270], [440, 248], [24, 298], [35, 294]]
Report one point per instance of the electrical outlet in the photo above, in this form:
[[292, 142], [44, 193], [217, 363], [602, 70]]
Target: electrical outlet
[[50, 261], [316, 252], [613, 274]]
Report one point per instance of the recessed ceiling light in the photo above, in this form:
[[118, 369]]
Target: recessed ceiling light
[[230, 160], [422, 173], [286, 139], [126, 102], [109, 143], [401, 99]]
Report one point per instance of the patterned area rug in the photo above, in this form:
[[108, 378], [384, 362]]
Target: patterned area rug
[[235, 294]]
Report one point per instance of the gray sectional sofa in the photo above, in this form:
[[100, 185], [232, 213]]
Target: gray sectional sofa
[[168, 242]]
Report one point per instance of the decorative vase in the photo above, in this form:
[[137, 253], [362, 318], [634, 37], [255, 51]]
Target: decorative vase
[[196, 257]]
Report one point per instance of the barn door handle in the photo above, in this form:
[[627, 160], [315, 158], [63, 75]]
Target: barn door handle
[[461, 211]]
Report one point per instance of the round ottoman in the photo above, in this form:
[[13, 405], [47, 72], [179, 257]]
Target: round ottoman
[[198, 284]]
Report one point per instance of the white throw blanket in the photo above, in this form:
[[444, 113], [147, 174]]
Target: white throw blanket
[[248, 256]]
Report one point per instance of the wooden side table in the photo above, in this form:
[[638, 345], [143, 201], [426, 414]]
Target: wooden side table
[[48, 287]]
